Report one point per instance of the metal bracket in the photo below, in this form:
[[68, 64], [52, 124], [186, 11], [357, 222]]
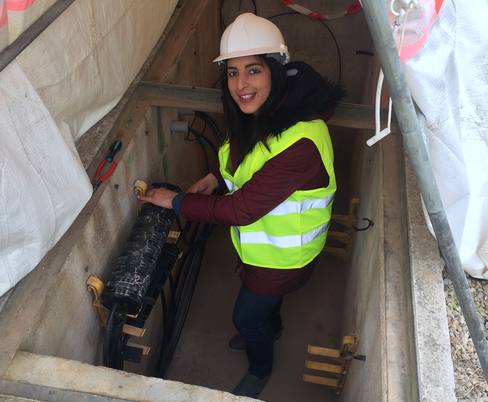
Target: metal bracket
[[370, 224]]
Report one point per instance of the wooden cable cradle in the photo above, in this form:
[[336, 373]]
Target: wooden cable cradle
[[333, 365], [343, 238]]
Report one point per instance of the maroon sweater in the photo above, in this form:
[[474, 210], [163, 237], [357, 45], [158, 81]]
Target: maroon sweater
[[299, 167]]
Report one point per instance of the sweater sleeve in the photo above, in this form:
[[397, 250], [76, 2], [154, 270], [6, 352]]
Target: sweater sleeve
[[299, 167]]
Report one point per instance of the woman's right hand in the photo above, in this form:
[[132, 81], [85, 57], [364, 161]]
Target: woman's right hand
[[206, 185]]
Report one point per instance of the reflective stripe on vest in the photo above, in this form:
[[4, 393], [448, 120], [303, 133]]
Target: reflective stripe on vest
[[290, 207], [280, 241], [230, 185]]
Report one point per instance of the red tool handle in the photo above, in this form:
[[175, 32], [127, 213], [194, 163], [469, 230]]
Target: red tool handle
[[109, 171]]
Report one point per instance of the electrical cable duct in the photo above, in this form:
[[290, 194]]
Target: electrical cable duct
[[150, 268], [136, 269]]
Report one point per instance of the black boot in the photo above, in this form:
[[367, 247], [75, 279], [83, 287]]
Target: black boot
[[250, 386]]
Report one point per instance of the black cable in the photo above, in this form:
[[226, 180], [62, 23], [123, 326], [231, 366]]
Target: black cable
[[222, 23], [255, 7], [212, 124], [198, 134], [108, 336], [338, 50], [191, 267], [114, 339], [182, 232]]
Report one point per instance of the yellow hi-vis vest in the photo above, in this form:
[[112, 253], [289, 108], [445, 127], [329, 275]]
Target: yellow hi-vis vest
[[293, 233]]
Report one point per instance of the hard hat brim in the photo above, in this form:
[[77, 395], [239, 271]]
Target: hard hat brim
[[252, 52]]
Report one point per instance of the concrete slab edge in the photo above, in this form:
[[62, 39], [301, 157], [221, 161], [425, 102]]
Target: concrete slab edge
[[434, 364], [60, 379]]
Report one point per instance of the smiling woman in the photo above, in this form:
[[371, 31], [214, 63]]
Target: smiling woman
[[276, 167]]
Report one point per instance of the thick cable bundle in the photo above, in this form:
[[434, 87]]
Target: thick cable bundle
[[134, 267]]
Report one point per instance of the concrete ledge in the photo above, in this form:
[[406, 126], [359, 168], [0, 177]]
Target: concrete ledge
[[55, 379], [434, 364]]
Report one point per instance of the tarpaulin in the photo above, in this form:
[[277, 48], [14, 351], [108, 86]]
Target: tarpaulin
[[448, 79]]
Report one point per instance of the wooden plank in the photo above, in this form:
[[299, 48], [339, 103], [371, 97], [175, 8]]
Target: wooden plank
[[133, 331], [320, 351], [145, 349], [315, 379], [342, 219], [348, 115], [179, 35], [337, 251], [329, 368], [339, 236], [179, 96], [353, 115]]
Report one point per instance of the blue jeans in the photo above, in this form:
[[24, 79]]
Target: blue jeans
[[258, 320]]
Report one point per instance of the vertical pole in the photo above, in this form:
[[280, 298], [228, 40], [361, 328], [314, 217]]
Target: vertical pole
[[379, 26]]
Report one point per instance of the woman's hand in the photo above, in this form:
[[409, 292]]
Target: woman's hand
[[205, 185], [159, 196]]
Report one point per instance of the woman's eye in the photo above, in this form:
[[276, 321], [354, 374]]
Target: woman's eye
[[231, 74], [254, 71]]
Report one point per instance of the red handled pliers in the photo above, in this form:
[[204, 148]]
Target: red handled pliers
[[102, 174]]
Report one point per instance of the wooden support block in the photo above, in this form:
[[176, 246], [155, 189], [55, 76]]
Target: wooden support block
[[328, 368], [173, 236], [145, 349], [315, 379], [337, 251], [353, 205], [342, 237], [320, 351], [133, 331], [342, 220]]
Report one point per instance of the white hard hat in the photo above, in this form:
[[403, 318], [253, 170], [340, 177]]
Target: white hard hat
[[251, 35]]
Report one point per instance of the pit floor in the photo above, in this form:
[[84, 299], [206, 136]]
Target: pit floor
[[311, 315]]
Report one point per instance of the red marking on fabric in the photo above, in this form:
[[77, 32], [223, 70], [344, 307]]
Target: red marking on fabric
[[316, 16], [354, 8], [18, 5], [410, 50], [438, 5], [3, 16]]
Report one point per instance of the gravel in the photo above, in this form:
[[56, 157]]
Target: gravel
[[470, 382]]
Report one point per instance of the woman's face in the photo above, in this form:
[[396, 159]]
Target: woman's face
[[249, 82]]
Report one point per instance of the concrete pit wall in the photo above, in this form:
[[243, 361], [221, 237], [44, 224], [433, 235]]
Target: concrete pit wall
[[394, 301]]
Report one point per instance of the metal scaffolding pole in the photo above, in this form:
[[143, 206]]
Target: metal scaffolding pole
[[379, 26]]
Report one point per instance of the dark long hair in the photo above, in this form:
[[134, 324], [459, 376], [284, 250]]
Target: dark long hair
[[298, 93]]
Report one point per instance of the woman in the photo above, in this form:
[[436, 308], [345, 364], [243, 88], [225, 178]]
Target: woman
[[277, 166]]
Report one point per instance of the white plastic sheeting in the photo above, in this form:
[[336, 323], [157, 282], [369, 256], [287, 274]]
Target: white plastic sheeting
[[448, 79], [83, 63], [43, 185]]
